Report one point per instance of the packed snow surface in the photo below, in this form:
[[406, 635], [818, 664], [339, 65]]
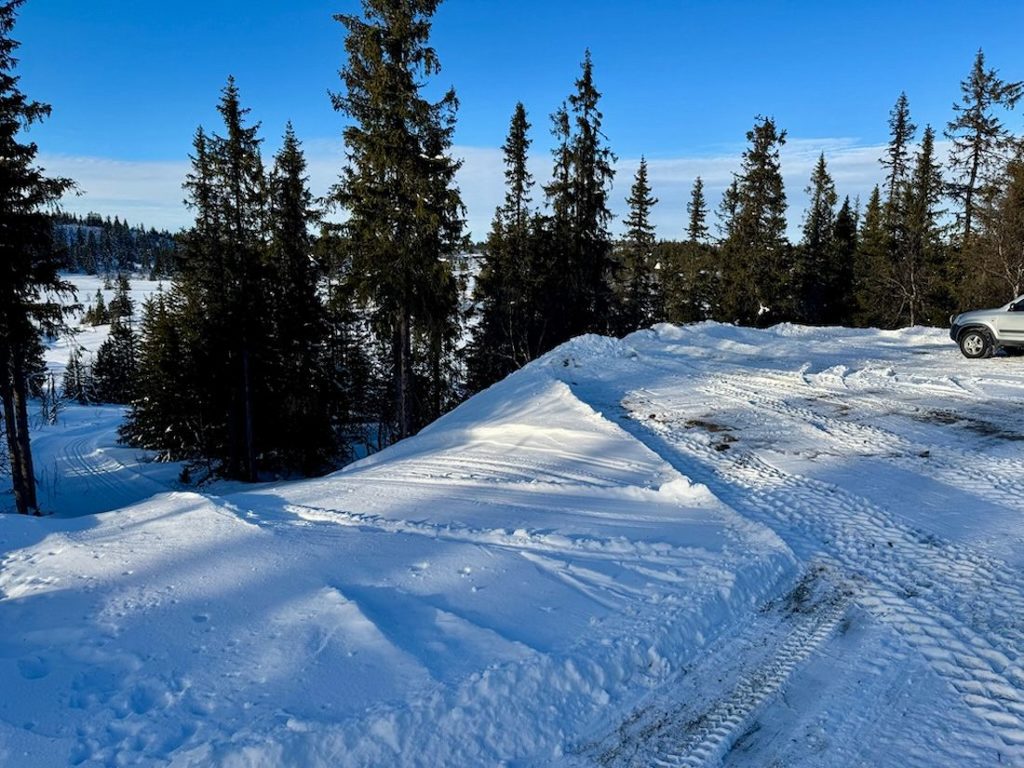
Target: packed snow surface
[[695, 546]]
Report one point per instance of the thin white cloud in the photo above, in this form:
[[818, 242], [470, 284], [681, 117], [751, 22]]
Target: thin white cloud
[[150, 192], [142, 192]]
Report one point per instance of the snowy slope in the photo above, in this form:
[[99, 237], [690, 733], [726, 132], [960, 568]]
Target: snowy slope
[[89, 338], [696, 546]]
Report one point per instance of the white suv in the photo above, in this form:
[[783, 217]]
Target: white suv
[[982, 332]]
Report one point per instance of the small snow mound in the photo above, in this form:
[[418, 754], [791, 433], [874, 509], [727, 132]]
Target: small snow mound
[[587, 350]]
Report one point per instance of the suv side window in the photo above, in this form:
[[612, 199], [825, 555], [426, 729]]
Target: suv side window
[[1018, 307]]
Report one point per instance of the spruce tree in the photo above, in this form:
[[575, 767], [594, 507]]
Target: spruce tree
[[97, 314], [578, 282], [114, 370], [243, 203], [873, 288], [981, 145], [728, 208], [920, 266], [29, 261], [405, 215], [841, 303], [816, 271], [697, 214], [689, 274], [169, 409], [560, 282], [592, 175], [756, 253], [980, 140], [299, 422], [1001, 237], [639, 278], [77, 383], [901, 269], [504, 338], [221, 305], [896, 160], [121, 305]]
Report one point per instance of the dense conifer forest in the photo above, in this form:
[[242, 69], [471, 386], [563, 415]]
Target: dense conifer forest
[[295, 333], [94, 245]]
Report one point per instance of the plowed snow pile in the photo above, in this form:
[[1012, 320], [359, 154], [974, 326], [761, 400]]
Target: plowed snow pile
[[696, 546]]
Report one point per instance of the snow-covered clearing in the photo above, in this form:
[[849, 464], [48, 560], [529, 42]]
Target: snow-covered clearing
[[696, 546]]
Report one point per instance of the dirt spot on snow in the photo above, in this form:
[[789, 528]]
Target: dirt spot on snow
[[723, 435], [977, 426], [704, 424]]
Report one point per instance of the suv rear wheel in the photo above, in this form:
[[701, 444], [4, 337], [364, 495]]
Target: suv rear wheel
[[975, 344]]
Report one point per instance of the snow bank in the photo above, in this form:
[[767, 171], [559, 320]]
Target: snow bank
[[476, 594]]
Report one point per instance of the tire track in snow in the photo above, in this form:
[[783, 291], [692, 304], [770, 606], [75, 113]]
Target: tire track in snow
[[996, 479], [757, 663], [950, 618], [718, 729]]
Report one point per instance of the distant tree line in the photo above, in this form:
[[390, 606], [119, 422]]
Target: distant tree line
[[287, 342], [94, 245]]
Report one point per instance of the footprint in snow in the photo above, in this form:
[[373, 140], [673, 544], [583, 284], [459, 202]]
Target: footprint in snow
[[33, 667]]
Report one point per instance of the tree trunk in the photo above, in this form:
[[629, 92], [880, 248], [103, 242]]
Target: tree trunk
[[25, 449], [435, 372], [13, 449], [403, 374], [17, 448], [250, 443]]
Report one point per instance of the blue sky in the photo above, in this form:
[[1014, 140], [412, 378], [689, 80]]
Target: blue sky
[[682, 82]]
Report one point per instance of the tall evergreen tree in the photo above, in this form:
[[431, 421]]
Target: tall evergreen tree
[[980, 140], [97, 314], [77, 381], [816, 270], [28, 260], [920, 265], [689, 274], [697, 214], [221, 306], [121, 304], [756, 253], [639, 278], [896, 160], [170, 407], [578, 240], [404, 210], [728, 208], [841, 306], [243, 206], [591, 181], [505, 337], [299, 385], [872, 267], [981, 146]]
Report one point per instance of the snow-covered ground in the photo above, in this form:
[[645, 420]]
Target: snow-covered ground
[[696, 546], [87, 337]]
